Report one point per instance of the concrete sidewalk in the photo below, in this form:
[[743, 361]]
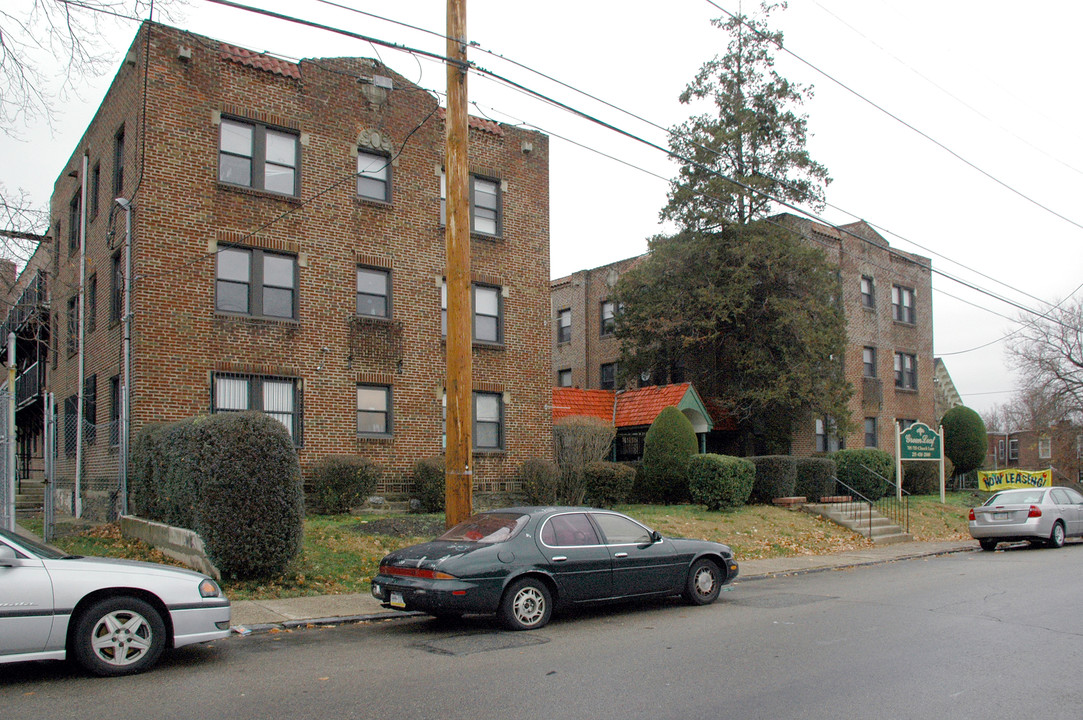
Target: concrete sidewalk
[[264, 615]]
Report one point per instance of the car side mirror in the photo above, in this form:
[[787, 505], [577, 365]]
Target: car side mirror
[[7, 556], [656, 536]]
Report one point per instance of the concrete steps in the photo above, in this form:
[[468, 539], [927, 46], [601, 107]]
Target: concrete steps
[[859, 519], [30, 500]]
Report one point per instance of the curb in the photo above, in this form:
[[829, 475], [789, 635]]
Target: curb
[[245, 631]]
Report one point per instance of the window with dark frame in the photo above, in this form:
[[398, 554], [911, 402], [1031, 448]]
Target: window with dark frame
[[95, 189], [258, 156], [868, 291], [564, 377], [902, 304], [373, 176], [74, 221], [607, 376], [488, 421], [256, 282], [608, 319], [564, 326], [871, 436], [92, 303], [827, 439], [906, 375], [90, 410], [486, 205], [114, 411], [118, 163], [374, 410], [71, 424], [373, 292], [278, 397], [116, 306], [73, 324], [487, 313], [868, 357], [1013, 449]]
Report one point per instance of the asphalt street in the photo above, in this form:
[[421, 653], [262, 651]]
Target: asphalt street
[[969, 635]]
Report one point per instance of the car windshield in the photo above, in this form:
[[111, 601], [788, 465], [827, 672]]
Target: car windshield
[[487, 528], [1017, 497], [39, 549]]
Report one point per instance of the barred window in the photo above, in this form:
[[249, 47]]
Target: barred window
[[278, 397]]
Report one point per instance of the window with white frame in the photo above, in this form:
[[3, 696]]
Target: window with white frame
[[868, 291], [1013, 449], [373, 410], [564, 377], [277, 397], [373, 292], [256, 282], [868, 358], [373, 176], [1045, 448], [564, 326], [609, 318], [257, 156], [906, 373], [488, 313], [902, 304]]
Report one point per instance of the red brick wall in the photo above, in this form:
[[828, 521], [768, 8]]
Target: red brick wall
[[183, 214]]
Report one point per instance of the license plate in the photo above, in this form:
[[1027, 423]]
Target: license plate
[[396, 600], [1000, 516]]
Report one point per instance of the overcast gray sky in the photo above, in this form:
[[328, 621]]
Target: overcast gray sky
[[987, 79]]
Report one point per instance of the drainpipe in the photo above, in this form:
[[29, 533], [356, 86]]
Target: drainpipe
[[82, 338], [126, 386]]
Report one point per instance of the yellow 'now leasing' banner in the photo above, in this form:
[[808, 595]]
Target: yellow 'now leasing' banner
[[990, 480]]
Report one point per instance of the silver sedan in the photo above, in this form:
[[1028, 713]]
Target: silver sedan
[[1038, 515], [115, 617]]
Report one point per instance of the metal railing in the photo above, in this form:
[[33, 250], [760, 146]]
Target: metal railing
[[862, 509]]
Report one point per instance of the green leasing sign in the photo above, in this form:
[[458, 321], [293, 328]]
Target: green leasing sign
[[919, 442]]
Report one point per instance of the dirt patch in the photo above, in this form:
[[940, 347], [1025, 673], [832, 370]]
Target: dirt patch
[[403, 526]]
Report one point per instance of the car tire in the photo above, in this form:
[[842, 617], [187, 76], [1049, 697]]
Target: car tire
[[527, 605], [118, 636], [988, 544], [1056, 535], [704, 582]]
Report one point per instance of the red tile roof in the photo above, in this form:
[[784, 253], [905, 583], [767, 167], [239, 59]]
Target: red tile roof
[[477, 123], [259, 61], [569, 401], [641, 406]]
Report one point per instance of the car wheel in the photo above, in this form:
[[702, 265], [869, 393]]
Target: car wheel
[[1056, 537], [703, 584], [988, 544], [119, 636], [527, 605]]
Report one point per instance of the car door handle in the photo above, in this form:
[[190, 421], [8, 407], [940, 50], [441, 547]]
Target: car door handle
[[621, 555], [560, 558]]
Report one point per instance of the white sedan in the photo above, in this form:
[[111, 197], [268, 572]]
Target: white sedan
[[1037, 515], [115, 617]]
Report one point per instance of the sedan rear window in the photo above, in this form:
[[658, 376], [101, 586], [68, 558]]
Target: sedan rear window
[[1017, 497], [487, 528]]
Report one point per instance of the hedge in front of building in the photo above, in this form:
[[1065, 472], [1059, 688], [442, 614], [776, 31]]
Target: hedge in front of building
[[859, 468], [815, 478], [430, 481], [608, 483], [234, 479], [776, 476], [720, 481], [340, 482]]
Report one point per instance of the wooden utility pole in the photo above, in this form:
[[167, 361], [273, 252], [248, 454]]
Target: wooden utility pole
[[459, 480]]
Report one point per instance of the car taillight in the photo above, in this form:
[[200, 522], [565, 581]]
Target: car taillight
[[1035, 511], [415, 573], [972, 514]]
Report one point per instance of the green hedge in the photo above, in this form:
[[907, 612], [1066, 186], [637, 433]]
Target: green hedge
[[669, 443], [340, 482], [815, 478], [430, 481], [608, 483], [921, 478], [720, 481], [234, 479], [776, 476], [851, 469]]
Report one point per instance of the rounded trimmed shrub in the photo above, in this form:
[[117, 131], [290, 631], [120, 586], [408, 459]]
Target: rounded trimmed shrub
[[964, 439], [921, 478], [776, 476], [251, 508], [430, 482], [858, 468], [667, 447], [340, 482], [608, 483], [720, 481], [815, 478], [540, 481]]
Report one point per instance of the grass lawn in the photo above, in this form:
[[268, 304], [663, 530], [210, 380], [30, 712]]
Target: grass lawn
[[341, 552]]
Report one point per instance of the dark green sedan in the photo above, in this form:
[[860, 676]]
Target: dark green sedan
[[521, 562]]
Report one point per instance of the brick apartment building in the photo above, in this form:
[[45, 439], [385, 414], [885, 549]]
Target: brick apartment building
[[288, 256], [1059, 447], [887, 301]]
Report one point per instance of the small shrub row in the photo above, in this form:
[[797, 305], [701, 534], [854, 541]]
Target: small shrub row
[[720, 481], [868, 471], [776, 476], [340, 482]]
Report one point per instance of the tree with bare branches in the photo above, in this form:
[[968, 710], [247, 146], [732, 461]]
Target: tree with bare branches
[[1048, 353]]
